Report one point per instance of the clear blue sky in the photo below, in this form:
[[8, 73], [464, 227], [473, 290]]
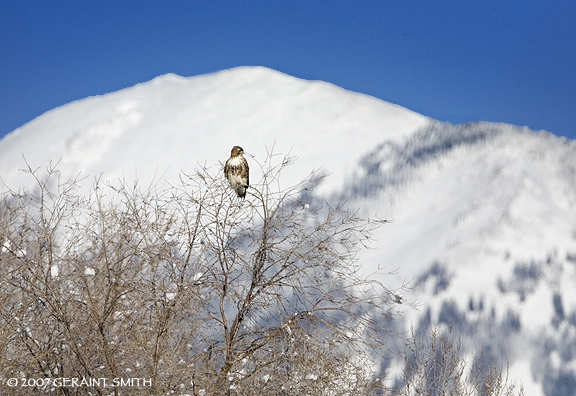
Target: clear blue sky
[[457, 61]]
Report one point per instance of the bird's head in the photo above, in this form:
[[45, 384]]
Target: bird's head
[[237, 150]]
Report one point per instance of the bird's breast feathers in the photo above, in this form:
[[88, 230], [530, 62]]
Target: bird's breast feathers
[[236, 170], [236, 179], [235, 161]]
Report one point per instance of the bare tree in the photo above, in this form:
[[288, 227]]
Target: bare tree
[[288, 312], [187, 286], [189, 290], [436, 366]]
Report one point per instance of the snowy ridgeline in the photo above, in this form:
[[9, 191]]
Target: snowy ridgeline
[[484, 215], [157, 129], [484, 223]]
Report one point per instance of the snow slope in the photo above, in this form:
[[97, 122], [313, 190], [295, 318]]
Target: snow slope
[[485, 226], [156, 129], [484, 214]]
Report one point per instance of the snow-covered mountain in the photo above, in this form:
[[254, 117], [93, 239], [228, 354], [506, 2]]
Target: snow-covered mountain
[[484, 214], [485, 226], [171, 124]]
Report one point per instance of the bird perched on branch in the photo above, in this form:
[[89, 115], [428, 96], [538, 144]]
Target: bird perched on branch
[[237, 172]]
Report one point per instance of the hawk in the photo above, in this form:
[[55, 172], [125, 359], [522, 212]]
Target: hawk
[[237, 172]]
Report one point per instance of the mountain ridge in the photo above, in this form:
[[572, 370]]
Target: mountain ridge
[[201, 118], [484, 223]]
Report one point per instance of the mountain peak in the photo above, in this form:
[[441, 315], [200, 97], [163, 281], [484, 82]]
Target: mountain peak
[[174, 123]]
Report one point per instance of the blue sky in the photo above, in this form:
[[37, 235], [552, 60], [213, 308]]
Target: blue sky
[[457, 61]]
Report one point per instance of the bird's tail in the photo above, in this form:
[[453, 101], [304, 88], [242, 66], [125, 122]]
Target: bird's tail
[[241, 191]]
